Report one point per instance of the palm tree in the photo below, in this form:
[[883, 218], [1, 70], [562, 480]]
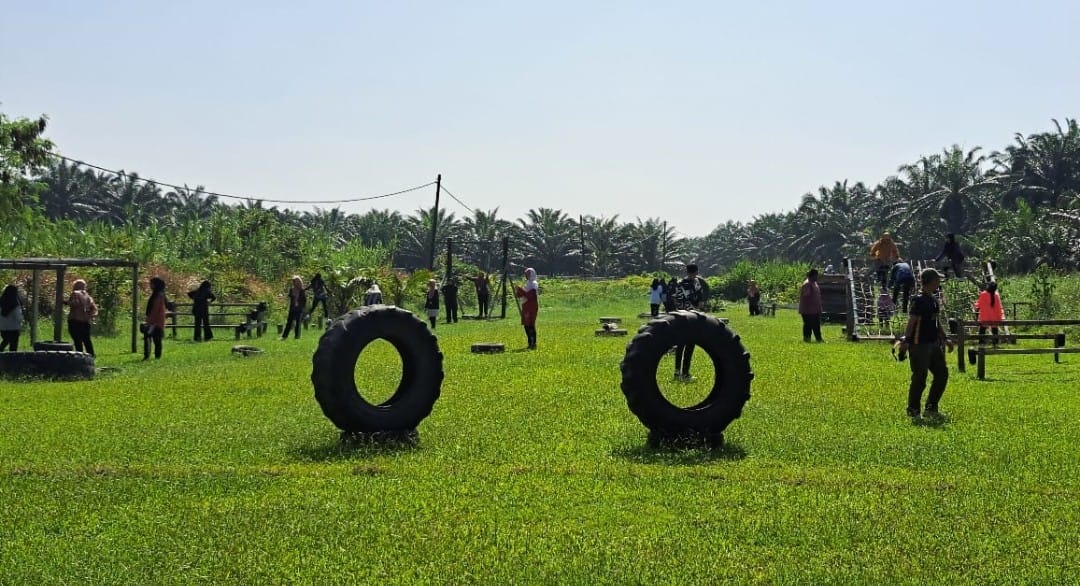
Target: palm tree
[[414, 243], [607, 243], [832, 225], [482, 236], [548, 240], [959, 192], [1044, 168], [191, 204], [654, 245], [378, 227]]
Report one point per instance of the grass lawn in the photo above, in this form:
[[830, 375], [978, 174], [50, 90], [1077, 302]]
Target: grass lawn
[[210, 467]]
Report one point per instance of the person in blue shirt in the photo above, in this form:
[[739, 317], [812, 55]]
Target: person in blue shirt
[[903, 281]]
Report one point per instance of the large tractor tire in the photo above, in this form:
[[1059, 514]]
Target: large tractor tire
[[731, 385], [334, 366], [47, 364]]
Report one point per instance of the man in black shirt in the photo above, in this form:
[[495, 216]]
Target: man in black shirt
[[690, 294], [925, 342]]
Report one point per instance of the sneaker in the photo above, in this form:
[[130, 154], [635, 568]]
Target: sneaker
[[913, 412], [931, 413]]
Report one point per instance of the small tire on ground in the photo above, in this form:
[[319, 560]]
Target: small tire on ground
[[488, 348], [53, 346], [731, 385], [246, 350], [334, 366], [47, 364], [611, 332]]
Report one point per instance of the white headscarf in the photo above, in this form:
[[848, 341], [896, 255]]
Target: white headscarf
[[530, 280]]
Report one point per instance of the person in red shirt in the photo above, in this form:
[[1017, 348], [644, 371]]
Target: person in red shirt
[[155, 318], [530, 306]]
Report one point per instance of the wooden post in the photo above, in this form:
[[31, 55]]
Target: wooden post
[[58, 310], [505, 269], [35, 291], [1059, 342], [851, 333], [981, 370], [961, 335], [134, 307], [449, 258]]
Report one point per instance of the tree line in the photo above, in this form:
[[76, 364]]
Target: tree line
[[1019, 206]]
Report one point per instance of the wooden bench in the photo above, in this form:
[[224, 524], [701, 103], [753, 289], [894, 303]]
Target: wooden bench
[[252, 317]]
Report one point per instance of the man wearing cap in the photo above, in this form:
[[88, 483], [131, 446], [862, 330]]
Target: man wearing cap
[[925, 342]]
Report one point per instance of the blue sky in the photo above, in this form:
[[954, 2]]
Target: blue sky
[[693, 112]]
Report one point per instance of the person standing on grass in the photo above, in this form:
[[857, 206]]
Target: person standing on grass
[[155, 318], [656, 296], [753, 298], [318, 291], [297, 305], [483, 294], [200, 308], [925, 342], [83, 311], [991, 314], [431, 303], [670, 290], [530, 306], [690, 295], [450, 296], [11, 318], [810, 307]]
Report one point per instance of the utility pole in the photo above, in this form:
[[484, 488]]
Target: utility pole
[[434, 223]]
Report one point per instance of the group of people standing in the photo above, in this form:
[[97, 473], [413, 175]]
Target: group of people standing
[[450, 299]]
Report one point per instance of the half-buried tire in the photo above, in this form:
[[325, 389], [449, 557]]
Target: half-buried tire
[[731, 385], [54, 346], [334, 366], [47, 364]]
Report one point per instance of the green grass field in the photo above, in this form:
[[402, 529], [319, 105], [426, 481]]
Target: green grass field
[[214, 468]]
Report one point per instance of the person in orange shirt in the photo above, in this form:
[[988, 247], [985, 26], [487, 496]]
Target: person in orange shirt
[[155, 318], [884, 253]]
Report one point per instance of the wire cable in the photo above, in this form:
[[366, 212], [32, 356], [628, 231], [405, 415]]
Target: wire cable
[[443, 187], [240, 197]]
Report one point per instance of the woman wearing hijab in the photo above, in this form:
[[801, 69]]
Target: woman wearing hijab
[[530, 306], [200, 308], [156, 311], [83, 311]]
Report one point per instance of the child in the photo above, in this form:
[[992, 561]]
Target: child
[[530, 307], [925, 342], [318, 291], [753, 298], [991, 314], [431, 303], [885, 308]]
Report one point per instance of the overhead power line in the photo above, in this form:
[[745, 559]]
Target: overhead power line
[[241, 197], [454, 197]]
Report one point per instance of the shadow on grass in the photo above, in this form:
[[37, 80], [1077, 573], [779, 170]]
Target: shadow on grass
[[680, 455], [369, 445]]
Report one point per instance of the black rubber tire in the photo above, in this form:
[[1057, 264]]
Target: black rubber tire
[[53, 346], [611, 332], [246, 350], [47, 364], [488, 348], [334, 366], [731, 386]]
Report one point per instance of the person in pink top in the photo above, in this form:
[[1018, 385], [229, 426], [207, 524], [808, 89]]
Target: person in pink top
[[82, 314], [810, 307], [156, 312], [991, 312]]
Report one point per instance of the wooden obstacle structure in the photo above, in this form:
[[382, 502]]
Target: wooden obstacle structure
[[981, 352], [252, 317]]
